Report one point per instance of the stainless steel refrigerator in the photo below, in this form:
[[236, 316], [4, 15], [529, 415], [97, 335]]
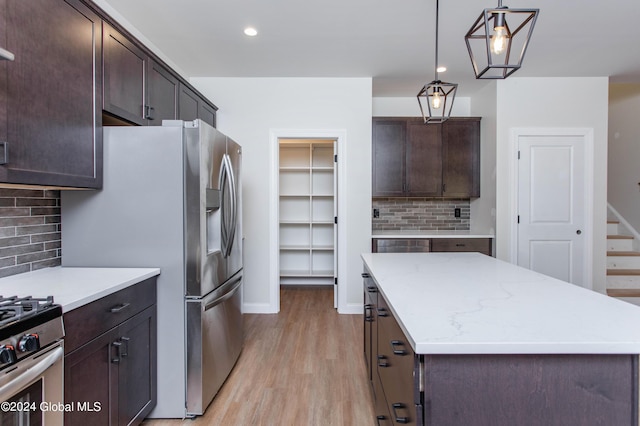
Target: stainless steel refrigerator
[[171, 199]]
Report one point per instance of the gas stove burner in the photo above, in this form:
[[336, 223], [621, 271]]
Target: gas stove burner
[[17, 308], [27, 325]]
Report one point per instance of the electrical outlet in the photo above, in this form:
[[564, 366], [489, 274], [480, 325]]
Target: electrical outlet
[[376, 212], [456, 212]]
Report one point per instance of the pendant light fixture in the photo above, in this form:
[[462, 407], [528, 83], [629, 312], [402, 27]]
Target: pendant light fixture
[[497, 47], [436, 98]]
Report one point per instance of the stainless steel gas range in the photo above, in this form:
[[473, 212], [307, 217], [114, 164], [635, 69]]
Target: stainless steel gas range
[[31, 361]]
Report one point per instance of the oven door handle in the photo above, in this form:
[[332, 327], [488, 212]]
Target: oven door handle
[[30, 374]]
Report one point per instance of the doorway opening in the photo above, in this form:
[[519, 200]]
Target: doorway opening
[[308, 212], [318, 218]]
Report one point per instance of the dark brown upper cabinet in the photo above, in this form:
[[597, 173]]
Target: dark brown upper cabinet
[[162, 99], [125, 67], [192, 106], [136, 88], [461, 158], [411, 159], [389, 157], [49, 127], [424, 160]]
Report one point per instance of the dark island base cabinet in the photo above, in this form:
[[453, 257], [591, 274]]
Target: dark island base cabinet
[[396, 363], [494, 390], [549, 390], [110, 358]]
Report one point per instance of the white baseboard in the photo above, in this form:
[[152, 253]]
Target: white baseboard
[[259, 308], [351, 309]]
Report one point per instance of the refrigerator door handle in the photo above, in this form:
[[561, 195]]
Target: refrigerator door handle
[[228, 223], [228, 294], [223, 207], [234, 205]]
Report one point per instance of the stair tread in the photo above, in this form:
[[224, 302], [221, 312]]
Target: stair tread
[[623, 292], [623, 253], [619, 237], [623, 271]]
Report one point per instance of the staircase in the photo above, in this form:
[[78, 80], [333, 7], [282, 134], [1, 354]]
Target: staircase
[[623, 264]]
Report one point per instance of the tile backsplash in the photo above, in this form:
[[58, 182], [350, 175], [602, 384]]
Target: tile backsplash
[[30, 235], [424, 214]]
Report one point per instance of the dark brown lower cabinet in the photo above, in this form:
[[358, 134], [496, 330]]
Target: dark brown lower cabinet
[[425, 245], [370, 323], [496, 389], [396, 362], [480, 245], [111, 378]]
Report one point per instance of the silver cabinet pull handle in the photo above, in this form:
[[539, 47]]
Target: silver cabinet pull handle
[[4, 152], [6, 55], [119, 308]]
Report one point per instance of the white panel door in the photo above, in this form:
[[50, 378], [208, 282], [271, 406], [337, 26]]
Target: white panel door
[[551, 205]]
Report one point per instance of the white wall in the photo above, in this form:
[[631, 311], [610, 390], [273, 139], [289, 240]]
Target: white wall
[[553, 103], [483, 209], [624, 151], [248, 109], [408, 107]]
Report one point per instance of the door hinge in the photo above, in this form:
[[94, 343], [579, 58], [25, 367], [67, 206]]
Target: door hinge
[[518, 218], [335, 281], [518, 155], [335, 158], [335, 220]]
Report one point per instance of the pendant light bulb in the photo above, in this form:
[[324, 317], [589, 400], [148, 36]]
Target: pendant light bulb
[[499, 40], [436, 101]]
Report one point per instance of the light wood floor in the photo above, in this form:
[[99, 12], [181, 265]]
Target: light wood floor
[[303, 366]]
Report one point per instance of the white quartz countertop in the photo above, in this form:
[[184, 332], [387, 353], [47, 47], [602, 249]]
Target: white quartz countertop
[[73, 287], [469, 303], [430, 234]]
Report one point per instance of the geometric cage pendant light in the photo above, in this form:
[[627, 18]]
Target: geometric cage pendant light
[[498, 40], [436, 98]]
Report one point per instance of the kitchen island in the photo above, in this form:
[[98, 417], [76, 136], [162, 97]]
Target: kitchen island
[[466, 339]]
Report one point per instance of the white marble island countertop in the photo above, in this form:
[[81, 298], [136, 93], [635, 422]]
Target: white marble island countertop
[[73, 287], [469, 303]]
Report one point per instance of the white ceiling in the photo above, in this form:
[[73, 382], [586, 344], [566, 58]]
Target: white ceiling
[[391, 41]]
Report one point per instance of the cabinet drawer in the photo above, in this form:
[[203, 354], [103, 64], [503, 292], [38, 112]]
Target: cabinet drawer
[[382, 411], [396, 364], [482, 245], [91, 320], [400, 245]]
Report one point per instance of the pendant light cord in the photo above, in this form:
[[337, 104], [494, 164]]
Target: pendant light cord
[[437, 14]]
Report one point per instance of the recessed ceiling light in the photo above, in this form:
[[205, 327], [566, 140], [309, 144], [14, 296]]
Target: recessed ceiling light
[[251, 32], [441, 69]]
